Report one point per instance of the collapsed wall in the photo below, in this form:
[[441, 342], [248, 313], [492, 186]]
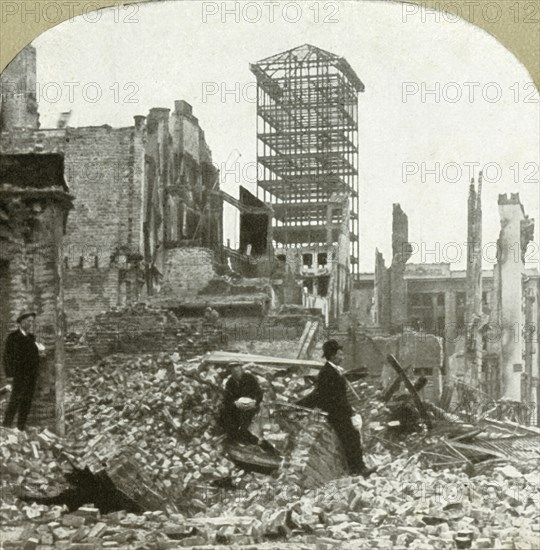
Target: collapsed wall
[[187, 272], [390, 287], [143, 329]]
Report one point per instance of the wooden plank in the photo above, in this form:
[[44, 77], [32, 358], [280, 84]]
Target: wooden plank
[[472, 433], [306, 341], [510, 427], [221, 357], [253, 457], [394, 386], [487, 450], [292, 406], [446, 464], [408, 384], [438, 455], [392, 389], [456, 451]]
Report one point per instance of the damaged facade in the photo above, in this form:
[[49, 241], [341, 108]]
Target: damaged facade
[[180, 177], [390, 303], [142, 192], [516, 305]]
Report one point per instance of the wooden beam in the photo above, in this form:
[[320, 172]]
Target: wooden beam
[[487, 450], [408, 384], [220, 357]]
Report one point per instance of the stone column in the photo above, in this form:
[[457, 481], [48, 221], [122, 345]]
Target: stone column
[[381, 292], [531, 346], [514, 236], [450, 326], [473, 308], [400, 255]]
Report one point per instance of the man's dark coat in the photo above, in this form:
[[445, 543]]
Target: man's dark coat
[[330, 395], [247, 386], [21, 355], [236, 421], [21, 361]]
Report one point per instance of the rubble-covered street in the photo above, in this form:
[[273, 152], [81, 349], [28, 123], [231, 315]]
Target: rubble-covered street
[[149, 421]]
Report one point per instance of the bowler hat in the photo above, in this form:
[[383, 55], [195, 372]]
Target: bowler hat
[[330, 347], [24, 314]]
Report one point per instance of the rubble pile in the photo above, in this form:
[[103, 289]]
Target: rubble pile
[[403, 506], [150, 421], [406, 506], [28, 461], [167, 407]]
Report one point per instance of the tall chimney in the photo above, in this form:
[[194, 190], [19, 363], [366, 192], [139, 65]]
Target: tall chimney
[[156, 115], [139, 122]]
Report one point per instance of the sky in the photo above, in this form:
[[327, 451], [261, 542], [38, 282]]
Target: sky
[[442, 100]]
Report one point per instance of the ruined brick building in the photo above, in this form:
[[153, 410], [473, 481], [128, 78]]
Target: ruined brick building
[[34, 206], [147, 195], [141, 192]]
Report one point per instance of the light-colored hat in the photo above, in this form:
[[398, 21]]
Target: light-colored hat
[[26, 313]]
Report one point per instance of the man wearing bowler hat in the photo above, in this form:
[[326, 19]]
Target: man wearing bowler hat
[[330, 395], [21, 362]]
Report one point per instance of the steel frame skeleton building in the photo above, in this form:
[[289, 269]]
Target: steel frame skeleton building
[[307, 148]]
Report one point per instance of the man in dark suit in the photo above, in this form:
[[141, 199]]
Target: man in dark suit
[[21, 361], [237, 412], [330, 395]]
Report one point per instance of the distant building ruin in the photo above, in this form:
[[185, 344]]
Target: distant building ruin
[[18, 100], [489, 319]]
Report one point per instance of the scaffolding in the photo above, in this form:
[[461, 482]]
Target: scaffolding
[[307, 147]]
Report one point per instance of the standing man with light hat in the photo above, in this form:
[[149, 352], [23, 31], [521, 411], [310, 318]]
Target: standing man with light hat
[[21, 362]]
